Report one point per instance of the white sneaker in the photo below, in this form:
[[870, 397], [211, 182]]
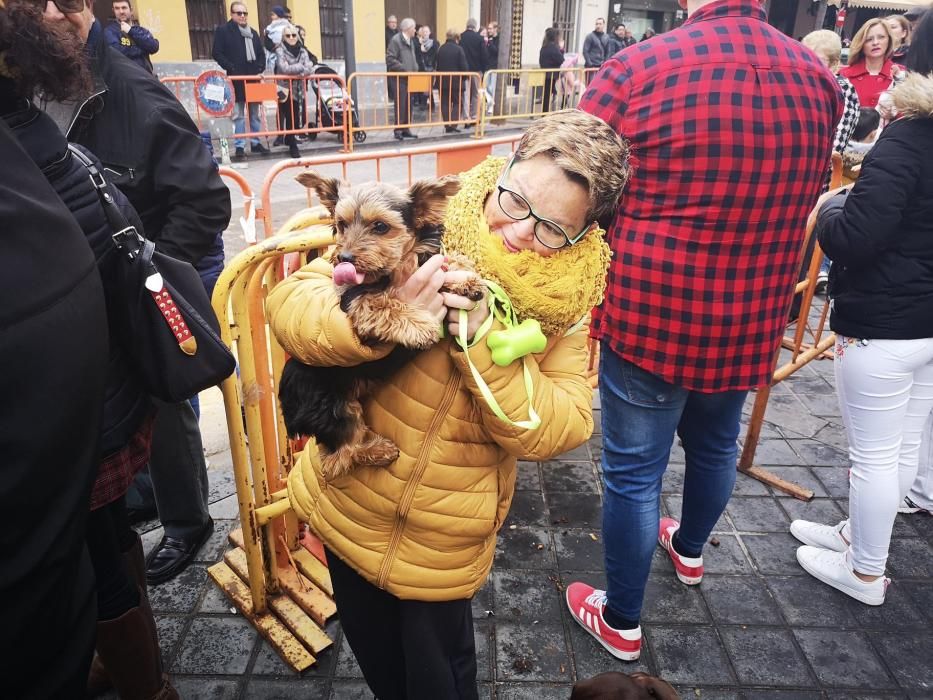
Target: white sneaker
[[909, 507], [822, 536], [833, 569]]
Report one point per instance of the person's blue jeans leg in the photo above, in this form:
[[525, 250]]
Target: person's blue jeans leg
[[255, 125], [640, 413], [708, 430], [239, 122]]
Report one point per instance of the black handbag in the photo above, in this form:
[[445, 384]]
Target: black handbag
[[162, 316]]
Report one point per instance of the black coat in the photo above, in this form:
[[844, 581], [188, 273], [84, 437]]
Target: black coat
[[230, 53], [53, 345], [550, 56], [451, 59], [475, 49], [492, 54], [154, 154], [880, 237], [126, 404], [427, 59]]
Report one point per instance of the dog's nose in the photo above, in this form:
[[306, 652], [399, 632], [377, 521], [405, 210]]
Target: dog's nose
[[345, 256]]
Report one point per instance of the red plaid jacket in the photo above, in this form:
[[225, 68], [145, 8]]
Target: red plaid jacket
[[731, 125]]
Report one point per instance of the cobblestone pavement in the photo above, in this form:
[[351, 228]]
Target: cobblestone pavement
[[757, 627]]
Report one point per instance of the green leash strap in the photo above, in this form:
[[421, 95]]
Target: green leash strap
[[500, 308]]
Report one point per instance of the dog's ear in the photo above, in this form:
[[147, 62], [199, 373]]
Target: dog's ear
[[327, 188], [429, 200], [662, 690]]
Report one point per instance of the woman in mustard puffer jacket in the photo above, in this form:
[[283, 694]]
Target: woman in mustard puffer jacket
[[410, 544]]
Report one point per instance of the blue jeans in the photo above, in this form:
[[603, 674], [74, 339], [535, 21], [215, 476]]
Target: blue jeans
[[239, 122], [640, 414]]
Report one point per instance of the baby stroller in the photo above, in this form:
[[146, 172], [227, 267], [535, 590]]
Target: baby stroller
[[334, 103]]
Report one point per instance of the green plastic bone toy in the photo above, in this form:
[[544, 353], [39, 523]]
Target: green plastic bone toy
[[512, 343]]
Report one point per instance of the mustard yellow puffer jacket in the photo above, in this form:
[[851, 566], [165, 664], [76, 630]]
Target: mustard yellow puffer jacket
[[425, 528]]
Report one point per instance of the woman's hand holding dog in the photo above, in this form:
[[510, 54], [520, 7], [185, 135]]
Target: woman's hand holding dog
[[477, 311], [423, 287]]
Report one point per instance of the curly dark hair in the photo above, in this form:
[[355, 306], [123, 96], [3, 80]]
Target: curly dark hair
[[40, 57]]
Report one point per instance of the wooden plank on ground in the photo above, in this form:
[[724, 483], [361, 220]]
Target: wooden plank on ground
[[288, 646], [314, 570], [301, 625], [773, 480]]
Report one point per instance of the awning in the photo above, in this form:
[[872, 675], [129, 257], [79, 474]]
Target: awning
[[893, 5]]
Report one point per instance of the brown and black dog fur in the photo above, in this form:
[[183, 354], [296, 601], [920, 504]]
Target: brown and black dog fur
[[622, 686], [386, 233]]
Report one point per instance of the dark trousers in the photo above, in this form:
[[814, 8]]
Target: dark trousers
[[450, 91], [402, 102], [550, 78], [407, 649], [177, 475], [292, 118]]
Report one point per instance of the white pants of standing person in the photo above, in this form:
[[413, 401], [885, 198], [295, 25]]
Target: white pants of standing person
[[920, 496], [885, 392]]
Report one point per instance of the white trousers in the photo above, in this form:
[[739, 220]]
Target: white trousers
[[885, 392], [921, 492]]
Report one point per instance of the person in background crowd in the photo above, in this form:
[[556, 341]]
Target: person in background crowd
[[899, 26], [595, 46], [53, 342], [616, 42], [649, 32], [870, 68], [828, 48], [401, 58], [880, 235], [492, 63], [426, 53], [132, 40], [475, 49], [913, 16], [669, 363], [272, 35], [294, 61], [391, 28], [550, 57], [239, 51], [630, 39], [162, 167], [451, 59]]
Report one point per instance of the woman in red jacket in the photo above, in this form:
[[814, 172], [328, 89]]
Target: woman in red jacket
[[870, 68]]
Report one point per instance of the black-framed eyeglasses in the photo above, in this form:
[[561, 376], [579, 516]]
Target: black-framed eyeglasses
[[290, 36], [549, 233], [241, 13], [66, 7]]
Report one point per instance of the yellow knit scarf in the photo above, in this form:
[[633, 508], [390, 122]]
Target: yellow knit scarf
[[557, 290]]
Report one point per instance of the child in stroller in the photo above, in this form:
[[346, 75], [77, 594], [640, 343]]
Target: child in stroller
[[333, 103]]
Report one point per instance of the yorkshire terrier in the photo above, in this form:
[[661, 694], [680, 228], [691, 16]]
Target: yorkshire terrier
[[383, 234]]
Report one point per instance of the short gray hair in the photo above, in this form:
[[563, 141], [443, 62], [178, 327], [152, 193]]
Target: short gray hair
[[472, 23], [406, 24]]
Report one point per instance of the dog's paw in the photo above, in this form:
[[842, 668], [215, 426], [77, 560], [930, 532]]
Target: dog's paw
[[416, 331], [336, 464], [382, 453]]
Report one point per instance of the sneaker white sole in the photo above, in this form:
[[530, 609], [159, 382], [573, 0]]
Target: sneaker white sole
[[621, 655], [839, 586], [687, 580]]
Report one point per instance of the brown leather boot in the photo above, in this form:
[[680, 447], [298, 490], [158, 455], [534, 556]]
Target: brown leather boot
[[129, 648]]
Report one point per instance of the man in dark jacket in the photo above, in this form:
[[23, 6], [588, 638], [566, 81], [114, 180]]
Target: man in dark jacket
[[451, 59], [133, 41], [475, 49], [616, 42], [154, 154], [238, 50], [391, 28], [401, 57], [594, 46]]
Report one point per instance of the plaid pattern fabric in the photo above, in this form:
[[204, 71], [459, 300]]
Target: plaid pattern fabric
[[846, 126], [117, 470], [731, 125]]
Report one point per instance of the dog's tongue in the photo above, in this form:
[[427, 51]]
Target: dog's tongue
[[345, 274]]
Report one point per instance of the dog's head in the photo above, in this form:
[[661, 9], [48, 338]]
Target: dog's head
[[621, 686], [381, 229]]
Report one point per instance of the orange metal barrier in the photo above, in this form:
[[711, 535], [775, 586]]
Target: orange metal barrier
[[388, 100], [248, 220], [450, 159]]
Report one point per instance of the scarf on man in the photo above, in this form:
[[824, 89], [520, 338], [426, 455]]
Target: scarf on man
[[558, 290], [247, 35]]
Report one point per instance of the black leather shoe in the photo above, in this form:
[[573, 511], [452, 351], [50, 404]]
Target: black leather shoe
[[408, 135], [398, 135], [259, 148], [451, 130], [173, 554]]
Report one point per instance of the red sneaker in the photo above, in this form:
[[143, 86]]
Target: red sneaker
[[689, 569], [586, 605]]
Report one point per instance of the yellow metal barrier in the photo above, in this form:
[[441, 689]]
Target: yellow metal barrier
[[386, 100], [273, 581], [529, 93]]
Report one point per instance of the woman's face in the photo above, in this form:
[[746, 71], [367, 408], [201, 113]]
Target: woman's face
[[290, 36], [897, 31], [876, 42], [551, 194]]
